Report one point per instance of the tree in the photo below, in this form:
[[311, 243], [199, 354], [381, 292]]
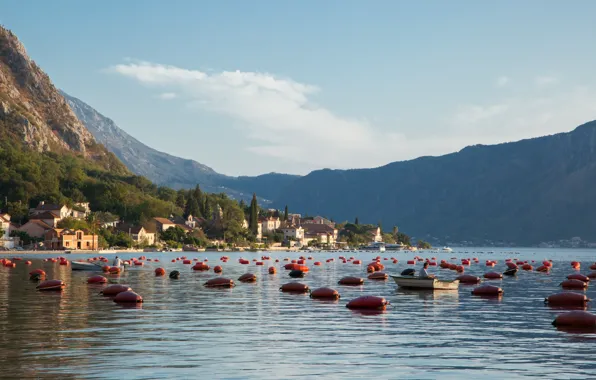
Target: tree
[[395, 231], [356, 221], [192, 207], [286, 214], [380, 225], [421, 244], [207, 211], [254, 218], [403, 239]]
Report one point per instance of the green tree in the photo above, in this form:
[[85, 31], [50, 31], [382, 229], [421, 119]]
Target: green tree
[[207, 209], [356, 221], [192, 207], [421, 244], [403, 239], [254, 218], [286, 214]]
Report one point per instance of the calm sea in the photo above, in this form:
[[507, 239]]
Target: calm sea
[[184, 330]]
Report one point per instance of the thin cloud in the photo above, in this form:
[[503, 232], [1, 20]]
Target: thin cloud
[[546, 80], [168, 95], [502, 81], [276, 113]]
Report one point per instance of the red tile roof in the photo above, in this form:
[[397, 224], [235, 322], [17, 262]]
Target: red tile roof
[[163, 221]]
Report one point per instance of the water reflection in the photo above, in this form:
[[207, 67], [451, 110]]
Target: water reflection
[[256, 331]]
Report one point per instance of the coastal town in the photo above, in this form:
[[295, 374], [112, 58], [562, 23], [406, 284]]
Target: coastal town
[[62, 227]]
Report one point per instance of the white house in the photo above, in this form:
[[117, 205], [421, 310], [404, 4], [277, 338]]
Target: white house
[[293, 233], [6, 228], [269, 224]]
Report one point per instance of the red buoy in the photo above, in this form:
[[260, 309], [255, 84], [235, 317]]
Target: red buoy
[[377, 266], [574, 284], [493, 275], [187, 261], [28, 262], [460, 268], [112, 290], [368, 303], [272, 270], [543, 268], [592, 275], [378, 276], [357, 262], [115, 270], [247, 277], [219, 282], [139, 263], [325, 293], [567, 299], [487, 290], [97, 280], [201, 266], [39, 272], [317, 263], [468, 279], [593, 266], [577, 276], [527, 267], [51, 285], [217, 269], [577, 319], [411, 262], [160, 272], [294, 287], [128, 297], [351, 281]]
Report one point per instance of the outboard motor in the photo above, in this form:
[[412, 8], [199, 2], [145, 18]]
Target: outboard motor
[[174, 274], [409, 272], [510, 272]]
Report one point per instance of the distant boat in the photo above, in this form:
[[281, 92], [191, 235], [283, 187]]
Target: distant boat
[[394, 247], [412, 282], [374, 246], [81, 265], [446, 249]]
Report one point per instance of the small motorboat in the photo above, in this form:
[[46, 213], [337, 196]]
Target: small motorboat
[[84, 265], [411, 282]]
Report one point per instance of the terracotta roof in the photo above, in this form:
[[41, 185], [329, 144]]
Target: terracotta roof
[[318, 228], [184, 227], [163, 221], [40, 223], [45, 215], [128, 227]]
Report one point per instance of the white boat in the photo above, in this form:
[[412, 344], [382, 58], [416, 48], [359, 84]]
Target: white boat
[[374, 246], [394, 247], [413, 282], [446, 249], [84, 265]]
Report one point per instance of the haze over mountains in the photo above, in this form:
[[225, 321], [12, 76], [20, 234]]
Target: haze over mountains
[[524, 192]]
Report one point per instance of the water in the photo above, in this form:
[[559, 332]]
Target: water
[[184, 330]]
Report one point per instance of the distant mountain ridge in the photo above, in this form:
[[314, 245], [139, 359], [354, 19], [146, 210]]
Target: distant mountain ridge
[[529, 191], [165, 169]]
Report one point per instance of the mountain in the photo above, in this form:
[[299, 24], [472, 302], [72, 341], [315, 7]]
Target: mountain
[[526, 192], [165, 169], [33, 111]]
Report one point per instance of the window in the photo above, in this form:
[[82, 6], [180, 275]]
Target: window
[[88, 244], [67, 244]]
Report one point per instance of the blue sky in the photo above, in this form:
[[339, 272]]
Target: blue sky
[[261, 86]]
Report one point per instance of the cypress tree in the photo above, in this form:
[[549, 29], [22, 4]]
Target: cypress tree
[[286, 214], [198, 195], [207, 212], [356, 222], [192, 207], [254, 212]]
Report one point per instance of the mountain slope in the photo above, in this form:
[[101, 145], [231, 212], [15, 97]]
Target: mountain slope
[[33, 111], [528, 191], [165, 169]]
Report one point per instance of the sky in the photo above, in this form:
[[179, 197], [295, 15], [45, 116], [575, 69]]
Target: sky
[[251, 87]]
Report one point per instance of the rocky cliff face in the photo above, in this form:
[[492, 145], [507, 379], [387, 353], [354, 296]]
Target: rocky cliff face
[[32, 109]]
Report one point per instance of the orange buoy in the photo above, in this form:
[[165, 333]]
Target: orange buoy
[[543, 268], [219, 282], [114, 270], [317, 263], [128, 297], [547, 263], [468, 279], [444, 265], [28, 262], [160, 272], [577, 319], [493, 275], [357, 262], [112, 290], [247, 277], [217, 269], [272, 270], [325, 293], [294, 287], [527, 267], [292, 266], [370, 269], [567, 299], [351, 281], [187, 261], [201, 266], [64, 262], [460, 268], [577, 276], [51, 285], [377, 266], [97, 280], [487, 290], [105, 268], [368, 303], [378, 276], [139, 263], [574, 284], [39, 272]]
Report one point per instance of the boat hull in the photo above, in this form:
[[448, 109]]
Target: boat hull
[[425, 283], [76, 265]]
